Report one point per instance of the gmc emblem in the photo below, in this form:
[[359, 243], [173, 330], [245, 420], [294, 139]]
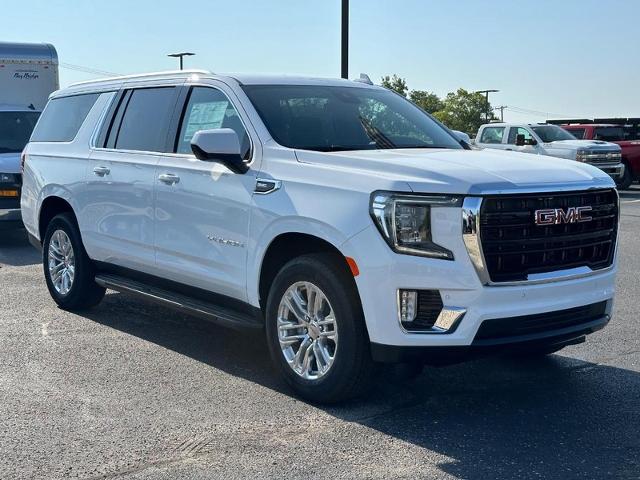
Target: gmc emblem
[[556, 216]]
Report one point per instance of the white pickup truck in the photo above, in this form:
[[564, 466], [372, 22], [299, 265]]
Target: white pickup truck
[[551, 140], [28, 75]]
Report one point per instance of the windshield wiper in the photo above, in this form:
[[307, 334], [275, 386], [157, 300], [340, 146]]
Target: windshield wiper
[[334, 148], [376, 135]]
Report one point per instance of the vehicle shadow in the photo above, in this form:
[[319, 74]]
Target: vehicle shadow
[[557, 417], [15, 249], [632, 193]]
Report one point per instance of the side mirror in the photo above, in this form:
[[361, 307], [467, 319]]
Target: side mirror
[[532, 141], [520, 142], [219, 145]]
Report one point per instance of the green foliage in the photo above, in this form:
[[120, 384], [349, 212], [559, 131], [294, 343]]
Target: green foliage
[[428, 101], [396, 84], [459, 110], [464, 111]]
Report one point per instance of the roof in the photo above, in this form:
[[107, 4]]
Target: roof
[[243, 79], [28, 52]]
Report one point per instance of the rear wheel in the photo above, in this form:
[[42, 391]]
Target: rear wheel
[[68, 270], [316, 330]]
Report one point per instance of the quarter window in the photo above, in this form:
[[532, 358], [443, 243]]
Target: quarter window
[[62, 118], [492, 135], [209, 108], [145, 120]]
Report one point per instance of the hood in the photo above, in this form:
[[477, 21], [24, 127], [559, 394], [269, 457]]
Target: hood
[[463, 171], [9, 163], [593, 145]]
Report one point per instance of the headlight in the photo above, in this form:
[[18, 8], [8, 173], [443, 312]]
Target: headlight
[[582, 155], [8, 178], [405, 221]]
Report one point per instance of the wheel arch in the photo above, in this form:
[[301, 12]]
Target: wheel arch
[[289, 245], [52, 206]]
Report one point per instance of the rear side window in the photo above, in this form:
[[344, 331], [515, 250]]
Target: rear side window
[[147, 112], [492, 135], [63, 117]]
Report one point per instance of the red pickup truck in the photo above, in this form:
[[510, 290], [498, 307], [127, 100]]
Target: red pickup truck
[[615, 134]]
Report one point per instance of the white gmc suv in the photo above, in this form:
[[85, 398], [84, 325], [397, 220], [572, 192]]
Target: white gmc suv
[[337, 216]]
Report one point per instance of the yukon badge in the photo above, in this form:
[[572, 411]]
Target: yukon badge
[[556, 216]]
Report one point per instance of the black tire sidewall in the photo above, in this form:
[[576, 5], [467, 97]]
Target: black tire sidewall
[[352, 338], [83, 274]]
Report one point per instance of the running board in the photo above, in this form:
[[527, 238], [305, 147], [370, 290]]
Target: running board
[[223, 316]]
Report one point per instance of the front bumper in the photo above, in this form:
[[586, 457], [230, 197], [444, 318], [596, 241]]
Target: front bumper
[[10, 217], [614, 170], [383, 272]]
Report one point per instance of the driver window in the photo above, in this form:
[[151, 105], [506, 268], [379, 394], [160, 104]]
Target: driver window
[[209, 108], [515, 131]]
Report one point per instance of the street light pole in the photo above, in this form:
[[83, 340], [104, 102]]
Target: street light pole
[[180, 56], [486, 93], [345, 39]]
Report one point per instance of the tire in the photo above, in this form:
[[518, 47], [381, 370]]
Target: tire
[[350, 371], [79, 291], [627, 179]]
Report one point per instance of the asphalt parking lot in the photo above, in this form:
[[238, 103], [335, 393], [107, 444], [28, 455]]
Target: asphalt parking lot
[[130, 390]]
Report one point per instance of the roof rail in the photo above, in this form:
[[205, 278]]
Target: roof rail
[[142, 76]]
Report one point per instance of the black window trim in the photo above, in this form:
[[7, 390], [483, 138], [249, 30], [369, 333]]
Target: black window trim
[[116, 114], [57, 97], [178, 119]]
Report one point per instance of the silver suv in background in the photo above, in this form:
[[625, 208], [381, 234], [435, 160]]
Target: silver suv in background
[[551, 140]]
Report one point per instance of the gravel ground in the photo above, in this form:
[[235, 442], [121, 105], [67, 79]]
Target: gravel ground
[[133, 391]]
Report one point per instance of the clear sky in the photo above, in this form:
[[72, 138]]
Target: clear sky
[[577, 58]]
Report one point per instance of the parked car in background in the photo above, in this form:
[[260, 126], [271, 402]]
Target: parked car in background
[[336, 217], [551, 140], [28, 75], [618, 135]]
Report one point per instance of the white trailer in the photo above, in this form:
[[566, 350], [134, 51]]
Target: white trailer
[[28, 75]]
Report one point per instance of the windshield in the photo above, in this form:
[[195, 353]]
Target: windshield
[[331, 118], [609, 134], [15, 130], [552, 133]]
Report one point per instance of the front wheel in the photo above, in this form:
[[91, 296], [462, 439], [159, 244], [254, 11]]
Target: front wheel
[[68, 270], [316, 330], [626, 180]]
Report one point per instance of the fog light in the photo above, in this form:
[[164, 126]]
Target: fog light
[[408, 305]]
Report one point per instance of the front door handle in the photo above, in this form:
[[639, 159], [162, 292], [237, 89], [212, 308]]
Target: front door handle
[[169, 178], [101, 171]]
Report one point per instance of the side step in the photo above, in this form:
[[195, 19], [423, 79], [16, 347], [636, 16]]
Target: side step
[[223, 316]]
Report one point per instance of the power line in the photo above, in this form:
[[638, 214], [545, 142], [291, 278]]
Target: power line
[[93, 71]]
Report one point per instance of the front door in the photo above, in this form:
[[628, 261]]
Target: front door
[[202, 208]]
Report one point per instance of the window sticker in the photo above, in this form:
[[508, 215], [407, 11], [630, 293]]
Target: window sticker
[[205, 116]]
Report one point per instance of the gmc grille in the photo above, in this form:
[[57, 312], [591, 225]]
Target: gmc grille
[[515, 247]]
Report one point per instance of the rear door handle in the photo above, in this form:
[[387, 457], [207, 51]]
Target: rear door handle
[[101, 171], [169, 178]]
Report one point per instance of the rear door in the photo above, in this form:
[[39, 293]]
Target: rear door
[[202, 208], [120, 198], [492, 137]]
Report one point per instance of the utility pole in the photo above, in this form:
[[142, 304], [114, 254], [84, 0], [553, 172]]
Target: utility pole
[[181, 55], [501, 108], [345, 39], [486, 93]]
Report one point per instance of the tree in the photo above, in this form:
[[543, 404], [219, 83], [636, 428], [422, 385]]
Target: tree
[[428, 101], [395, 83], [464, 111]]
